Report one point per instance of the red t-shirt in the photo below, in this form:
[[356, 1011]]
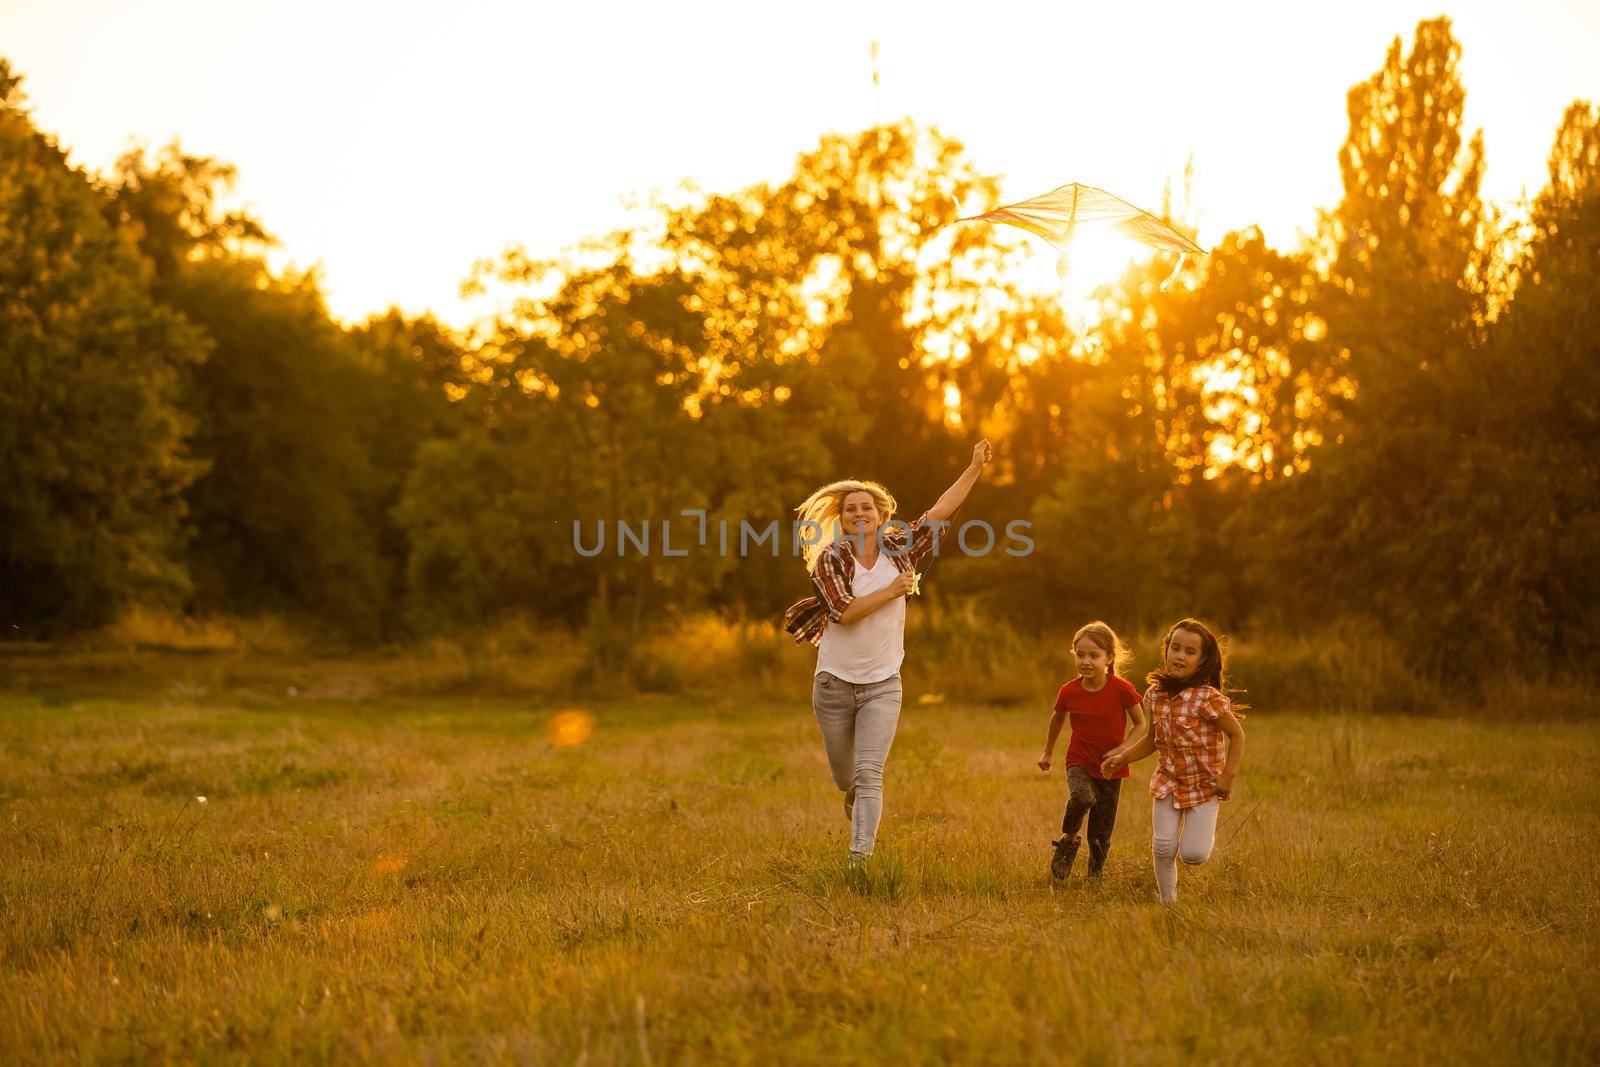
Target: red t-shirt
[[1099, 721]]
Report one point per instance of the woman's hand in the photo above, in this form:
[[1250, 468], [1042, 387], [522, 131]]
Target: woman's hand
[[904, 583], [1112, 764], [1044, 762], [946, 505], [1223, 784]]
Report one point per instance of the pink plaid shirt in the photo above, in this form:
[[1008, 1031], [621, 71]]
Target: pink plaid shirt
[[1191, 748]]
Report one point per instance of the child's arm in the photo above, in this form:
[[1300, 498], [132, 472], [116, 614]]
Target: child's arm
[[1136, 718], [1056, 721], [1230, 726], [1128, 752]]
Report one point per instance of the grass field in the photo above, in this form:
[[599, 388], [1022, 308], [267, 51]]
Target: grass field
[[427, 880]]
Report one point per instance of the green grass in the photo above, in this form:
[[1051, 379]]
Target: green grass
[[424, 880]]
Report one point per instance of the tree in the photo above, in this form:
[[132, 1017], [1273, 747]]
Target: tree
[[1410, 259], [413, 393], [1406, 302], [852, 332], [1526, 533], [93, 449], [284, 517], [292, 413], [745, 349], [171, 205], [588, 418]]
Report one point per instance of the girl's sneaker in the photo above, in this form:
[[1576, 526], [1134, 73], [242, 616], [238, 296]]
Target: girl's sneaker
[[1066, 852]]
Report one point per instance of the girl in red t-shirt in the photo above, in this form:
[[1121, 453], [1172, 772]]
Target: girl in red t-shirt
[[1100, 704]]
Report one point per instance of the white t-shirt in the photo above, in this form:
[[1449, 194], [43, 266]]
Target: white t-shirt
[[871, 648]]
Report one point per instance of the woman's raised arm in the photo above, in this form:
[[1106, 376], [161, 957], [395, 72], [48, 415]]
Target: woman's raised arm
[[953, 496]]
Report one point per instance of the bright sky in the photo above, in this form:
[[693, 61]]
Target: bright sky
[[396, 142]]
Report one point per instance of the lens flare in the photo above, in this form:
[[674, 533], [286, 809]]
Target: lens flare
[[570, 727]]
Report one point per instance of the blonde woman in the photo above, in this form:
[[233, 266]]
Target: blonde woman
[[863, 567]]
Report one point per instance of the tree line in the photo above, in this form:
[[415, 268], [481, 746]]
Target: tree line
[[1394, 423]]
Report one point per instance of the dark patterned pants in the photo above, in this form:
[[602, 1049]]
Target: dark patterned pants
[[1097, 798]]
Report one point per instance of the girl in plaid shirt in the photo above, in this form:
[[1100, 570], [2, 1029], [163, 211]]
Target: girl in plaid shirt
[[1195, 733]]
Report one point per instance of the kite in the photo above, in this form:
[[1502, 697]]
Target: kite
[[1056, 216]]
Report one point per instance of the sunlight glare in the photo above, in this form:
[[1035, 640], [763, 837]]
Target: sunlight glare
[[1095, 259], [570, 728]]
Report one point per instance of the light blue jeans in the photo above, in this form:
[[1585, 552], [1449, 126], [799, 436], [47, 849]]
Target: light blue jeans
[[858, 721]]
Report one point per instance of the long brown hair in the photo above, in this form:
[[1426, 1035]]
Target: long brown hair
[[1209, 671]]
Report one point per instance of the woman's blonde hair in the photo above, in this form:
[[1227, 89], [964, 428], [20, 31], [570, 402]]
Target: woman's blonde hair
[[1119, 654], [823, 508]]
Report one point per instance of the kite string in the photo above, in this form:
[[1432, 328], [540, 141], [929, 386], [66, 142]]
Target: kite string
[[1176, 270]]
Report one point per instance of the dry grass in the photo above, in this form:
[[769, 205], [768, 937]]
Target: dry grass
[[435, 879]]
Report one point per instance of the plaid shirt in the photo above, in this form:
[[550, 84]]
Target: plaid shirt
[[836, 571], [1191, 748]]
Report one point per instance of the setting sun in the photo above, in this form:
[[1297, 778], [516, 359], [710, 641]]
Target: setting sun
[[1094, 259]]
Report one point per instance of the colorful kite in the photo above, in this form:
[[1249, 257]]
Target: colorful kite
[[1057, 215]]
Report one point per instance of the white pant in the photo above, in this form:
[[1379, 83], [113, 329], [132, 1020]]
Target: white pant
[[1186, 834]]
